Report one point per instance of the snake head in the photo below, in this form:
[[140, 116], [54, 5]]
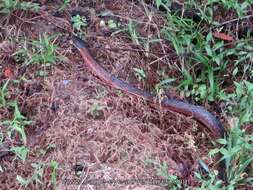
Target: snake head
[[79, 43]]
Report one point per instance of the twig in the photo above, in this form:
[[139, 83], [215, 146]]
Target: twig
[[231, 21], [58, 22]]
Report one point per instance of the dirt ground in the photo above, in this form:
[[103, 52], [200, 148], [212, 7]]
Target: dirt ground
[[127, 138]]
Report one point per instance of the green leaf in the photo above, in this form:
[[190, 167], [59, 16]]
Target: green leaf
[[202, 91], [225, 152], [212, 83], [202, 58], [222, 141], [54, 166], [209, 37], [235, 71], [22, 181], [112, 24], [204, 166], [158, 3], [213, 152], [209, 51], [140, 73], [218, 45], [20, 151], [244, 165], [79, 22], [164, 83]]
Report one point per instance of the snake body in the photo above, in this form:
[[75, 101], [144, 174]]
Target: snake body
[[199, 113], [208, 120]]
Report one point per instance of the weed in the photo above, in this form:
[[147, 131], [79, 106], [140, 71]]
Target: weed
[[163, 3], [237, 153], [172, 180], [42, 51], [54, 165], [95, 110], [65, 5], [35, 178], [140, 74], [206, 53], [164, 84], [8, 6], [48, 148], [20, 151], [38, 172], [238, 6], [237, 148], [78, 22], [3, 94], [243, 56], [150, 39], [131, 30], [192, 47], [112, 24], [18, 123], [240, 103], [211, 182]]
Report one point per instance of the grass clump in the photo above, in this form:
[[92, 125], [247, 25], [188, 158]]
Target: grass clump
[[8, 6]]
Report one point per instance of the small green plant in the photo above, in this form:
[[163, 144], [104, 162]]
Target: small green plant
[[20, 151], [18, 123], [238, 6], [8, 6], [181, 32], [96, 109], [164, 84], [210, 182], [3, 94], [191, 47], [163, 3], [48, 148], [35, 178], [240, 103], [22, 181], [79, 22], [237, 153], [65, 5], [42, 51], [131, 30], [139, 73], [55, 166], [112, 24], [38, 172], [172, 180], [197, 51]]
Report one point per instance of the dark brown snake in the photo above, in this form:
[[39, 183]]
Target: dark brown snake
[[208, 120]]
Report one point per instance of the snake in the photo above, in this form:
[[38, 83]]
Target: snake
[[209, 122], [199, 113]]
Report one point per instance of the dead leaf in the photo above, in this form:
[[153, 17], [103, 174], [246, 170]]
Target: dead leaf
[[223, 36]]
